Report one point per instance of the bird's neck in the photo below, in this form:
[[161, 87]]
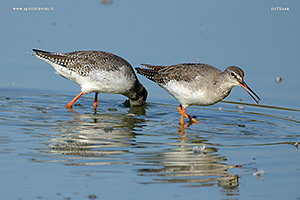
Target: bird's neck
[[137, 95], [222, 87]]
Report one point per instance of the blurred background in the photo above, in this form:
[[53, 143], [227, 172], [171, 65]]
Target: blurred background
[[259, 36]]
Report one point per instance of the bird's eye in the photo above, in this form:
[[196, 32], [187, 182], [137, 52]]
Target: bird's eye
[[232, 74]]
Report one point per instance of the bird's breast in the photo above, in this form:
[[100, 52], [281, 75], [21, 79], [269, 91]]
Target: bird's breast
[[188, 93]]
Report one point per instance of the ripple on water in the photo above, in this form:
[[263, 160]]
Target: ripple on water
[[147, 138]]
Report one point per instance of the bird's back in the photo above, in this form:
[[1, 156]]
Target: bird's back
[[85, 62], [180, 72]]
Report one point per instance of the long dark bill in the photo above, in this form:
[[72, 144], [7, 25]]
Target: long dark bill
[[247, 88]]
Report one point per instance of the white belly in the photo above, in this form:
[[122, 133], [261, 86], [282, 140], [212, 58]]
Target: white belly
[[188, 94], [112, 82]]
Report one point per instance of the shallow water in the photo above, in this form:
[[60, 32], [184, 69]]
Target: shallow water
[[117, 152], [239, 151]]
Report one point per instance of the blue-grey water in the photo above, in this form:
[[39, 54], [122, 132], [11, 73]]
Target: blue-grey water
[[240, 150]]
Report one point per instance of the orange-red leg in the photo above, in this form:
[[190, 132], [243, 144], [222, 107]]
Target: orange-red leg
[[95, 101], [73, 100], [190, 118], [180, 131], [181, 110]]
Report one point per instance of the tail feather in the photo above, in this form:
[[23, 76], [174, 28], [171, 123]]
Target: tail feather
[[47, 54], [43, 54], [154, 66], [58, 58], [40, 51], [148, 73]]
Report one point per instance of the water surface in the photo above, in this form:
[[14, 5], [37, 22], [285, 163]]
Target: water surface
[[49, 151], [116, 152]]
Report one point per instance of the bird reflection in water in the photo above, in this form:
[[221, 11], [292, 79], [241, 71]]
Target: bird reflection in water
[[181, 165], [103, 137], [190, 163], [87, 139], [181, 128]]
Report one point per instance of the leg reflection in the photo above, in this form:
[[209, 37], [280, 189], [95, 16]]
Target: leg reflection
[[182, 127]]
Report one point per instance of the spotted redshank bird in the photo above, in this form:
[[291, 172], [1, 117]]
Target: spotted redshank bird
[[196, 83], [96, 71]]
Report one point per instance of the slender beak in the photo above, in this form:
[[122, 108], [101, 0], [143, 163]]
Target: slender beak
[[248, 89]]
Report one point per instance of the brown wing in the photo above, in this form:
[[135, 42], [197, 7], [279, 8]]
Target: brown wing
[[154, 66], [83, 62], [180, 72]]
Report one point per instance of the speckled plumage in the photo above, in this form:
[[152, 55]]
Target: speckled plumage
[[195, 83], [85, 62], [97, 71], [180, 72]]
